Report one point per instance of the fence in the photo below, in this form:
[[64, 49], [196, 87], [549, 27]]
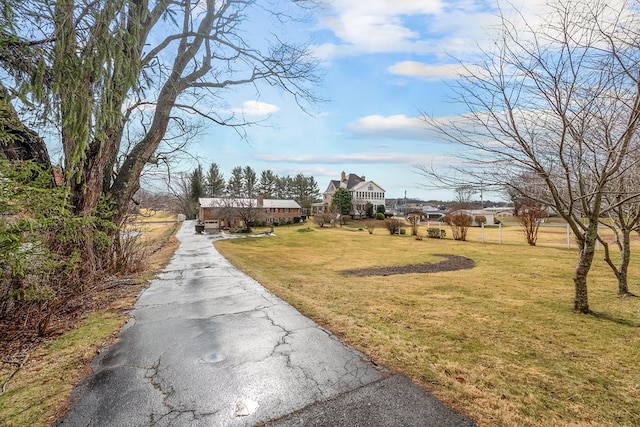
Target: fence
[[557, 235]]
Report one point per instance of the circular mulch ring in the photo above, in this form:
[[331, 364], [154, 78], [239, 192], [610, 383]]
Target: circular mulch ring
[[449, 263]]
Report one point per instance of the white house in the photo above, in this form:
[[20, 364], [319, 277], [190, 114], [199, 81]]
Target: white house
[[362, 192]]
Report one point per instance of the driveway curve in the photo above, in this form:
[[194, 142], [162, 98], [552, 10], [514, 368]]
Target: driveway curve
[[207, 345]]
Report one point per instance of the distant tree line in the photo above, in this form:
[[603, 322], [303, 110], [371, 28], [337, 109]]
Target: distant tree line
[[244, 183]]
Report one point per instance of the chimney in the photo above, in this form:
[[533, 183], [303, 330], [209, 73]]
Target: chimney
[[363, 178], [344, 176], [260, 200]]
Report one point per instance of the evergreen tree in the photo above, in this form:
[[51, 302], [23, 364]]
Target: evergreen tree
[[304, 190], [249, 182], [268, 184], [283, 187], [215, 184], [342, 199], [196, 190], [234, 185]]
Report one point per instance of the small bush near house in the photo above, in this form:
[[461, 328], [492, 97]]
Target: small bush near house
[[380, 216], [480, 219], [322, 219], [436, 233]]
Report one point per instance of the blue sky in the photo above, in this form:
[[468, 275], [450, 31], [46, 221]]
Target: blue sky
[[383, 63]]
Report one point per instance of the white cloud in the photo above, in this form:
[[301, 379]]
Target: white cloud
[[373, 26], [396, 126], [424, 71], [256, 108], [353, 158], [438, 27]]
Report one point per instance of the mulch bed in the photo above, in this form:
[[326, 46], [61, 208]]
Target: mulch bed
[[449, 263]]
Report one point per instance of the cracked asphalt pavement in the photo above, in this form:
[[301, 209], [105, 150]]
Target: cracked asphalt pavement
[[209, 346]]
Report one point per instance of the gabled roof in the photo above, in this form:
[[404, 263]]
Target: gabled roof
[[279, 203], [218, 202], [350, 182], [362, 184], [334, 184], [353, 180]]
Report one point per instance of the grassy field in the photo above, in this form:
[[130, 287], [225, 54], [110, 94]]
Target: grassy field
[[498, 342]]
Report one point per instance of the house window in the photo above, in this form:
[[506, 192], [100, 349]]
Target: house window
[[370, 188]]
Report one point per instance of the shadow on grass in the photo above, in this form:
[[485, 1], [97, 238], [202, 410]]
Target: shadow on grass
[[615, 319]]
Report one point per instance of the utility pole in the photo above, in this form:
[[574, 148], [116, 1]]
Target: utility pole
[[404, 211]]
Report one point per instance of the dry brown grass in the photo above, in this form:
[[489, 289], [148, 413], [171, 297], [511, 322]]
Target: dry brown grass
[[37, 393], [498, 342]]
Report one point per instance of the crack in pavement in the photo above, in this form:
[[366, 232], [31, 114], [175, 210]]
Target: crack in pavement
[[230, 353]]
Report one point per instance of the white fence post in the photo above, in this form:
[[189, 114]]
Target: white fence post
[[500, 233], [482, 226]]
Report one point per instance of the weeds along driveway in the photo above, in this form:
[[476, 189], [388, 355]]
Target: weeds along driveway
[[209, 346]]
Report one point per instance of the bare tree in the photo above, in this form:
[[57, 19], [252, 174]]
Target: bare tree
[[246, 211], [371, 225], [322, 219], [624, 218], [560, 102], [179, 188], [360, 206], [91, 67], [528, 211], [415, 218], [463, 194]]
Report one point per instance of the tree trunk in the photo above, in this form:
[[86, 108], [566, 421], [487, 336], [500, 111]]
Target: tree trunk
[[18, 142], [587, 246], [625, 256]]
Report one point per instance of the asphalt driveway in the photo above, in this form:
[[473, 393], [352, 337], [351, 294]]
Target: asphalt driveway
[[208, 346]]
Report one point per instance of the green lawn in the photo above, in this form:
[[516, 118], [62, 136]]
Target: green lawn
[[498, 342]]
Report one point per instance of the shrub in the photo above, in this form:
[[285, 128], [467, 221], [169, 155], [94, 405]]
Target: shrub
[[322, 219], [460, 223], [436, 233], [41, 267], [371, 225], [380, 216], [481, 219], [393, 225], [403, 231]]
